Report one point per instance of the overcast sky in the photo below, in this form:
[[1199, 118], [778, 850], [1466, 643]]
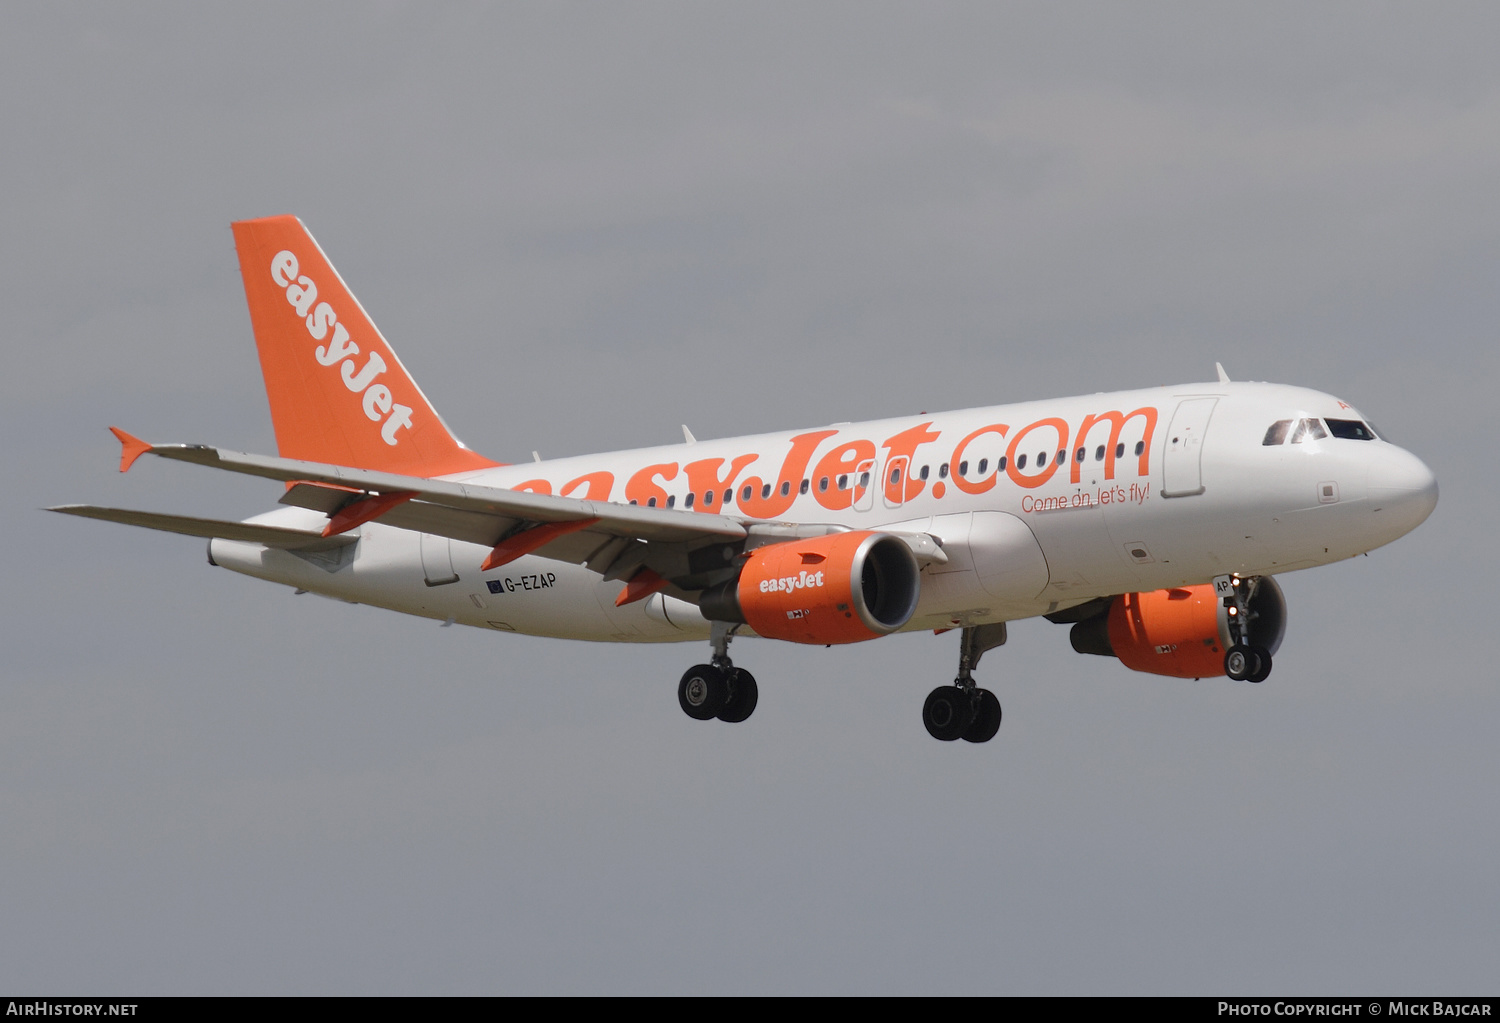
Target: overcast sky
[[582, 225]]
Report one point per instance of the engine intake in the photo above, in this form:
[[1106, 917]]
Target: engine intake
[[1182, 632], [840, 588]]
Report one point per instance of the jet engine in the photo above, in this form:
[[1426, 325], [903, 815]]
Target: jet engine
[[839, 588], [1183, 631]]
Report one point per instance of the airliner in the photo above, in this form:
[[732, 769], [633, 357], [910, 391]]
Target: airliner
[[1151, 522]]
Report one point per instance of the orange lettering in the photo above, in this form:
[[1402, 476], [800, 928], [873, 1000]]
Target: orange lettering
[[845, 458], [978, 486], [1116, 424], [1052, 463], [599, 485], [703, 478], [904, 445], [784, 491], [642, 488], [535, 486]]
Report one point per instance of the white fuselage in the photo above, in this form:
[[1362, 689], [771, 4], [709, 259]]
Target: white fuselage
[[1176, 488]]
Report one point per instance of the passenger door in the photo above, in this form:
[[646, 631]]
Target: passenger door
[[1182, 457]]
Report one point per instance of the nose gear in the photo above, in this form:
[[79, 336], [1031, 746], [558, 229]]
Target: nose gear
[[1243, 661]]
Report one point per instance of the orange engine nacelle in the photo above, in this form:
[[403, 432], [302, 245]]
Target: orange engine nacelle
[[1182, 632], [840, 588]]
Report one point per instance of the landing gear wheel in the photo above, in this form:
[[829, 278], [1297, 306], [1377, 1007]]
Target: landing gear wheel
[[986, 717], [1240, 663], [743, 695], [1263, 666], [947, 713], [703, 692]]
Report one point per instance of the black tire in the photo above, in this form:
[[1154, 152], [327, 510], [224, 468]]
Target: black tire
[[947, 713], [986, 717], [1263, 664], [1240, 663], [744, 694], [703, 692]]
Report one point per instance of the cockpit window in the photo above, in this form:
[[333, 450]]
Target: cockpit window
[[1308, 429], [1350, 429], [1277, 433]]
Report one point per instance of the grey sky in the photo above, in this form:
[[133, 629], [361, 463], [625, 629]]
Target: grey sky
[[581, 225]]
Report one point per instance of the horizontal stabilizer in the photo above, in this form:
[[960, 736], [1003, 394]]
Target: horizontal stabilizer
[[246, 532]]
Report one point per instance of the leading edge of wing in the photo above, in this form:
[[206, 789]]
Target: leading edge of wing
[[652, 524], [247, 532]]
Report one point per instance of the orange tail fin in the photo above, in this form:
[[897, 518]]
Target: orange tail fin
[[338, 393]]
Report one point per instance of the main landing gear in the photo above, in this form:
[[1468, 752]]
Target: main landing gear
[[963, 710], [718, 689], [1244, 661]]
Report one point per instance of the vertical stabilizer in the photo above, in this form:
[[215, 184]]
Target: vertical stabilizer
[[338, 393]]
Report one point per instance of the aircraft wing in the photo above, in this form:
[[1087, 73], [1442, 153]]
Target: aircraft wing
[[614, 539], [688, 550]]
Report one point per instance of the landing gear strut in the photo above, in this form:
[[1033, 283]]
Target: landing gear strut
[[963, 710], [1243, 661], [718, 689]]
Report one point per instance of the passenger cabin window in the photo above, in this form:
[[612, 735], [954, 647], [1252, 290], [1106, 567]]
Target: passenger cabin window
[[687, 502], [1277, 433], [1349, 429]]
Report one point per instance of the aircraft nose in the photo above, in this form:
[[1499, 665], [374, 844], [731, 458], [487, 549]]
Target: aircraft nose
[[1402, 487]]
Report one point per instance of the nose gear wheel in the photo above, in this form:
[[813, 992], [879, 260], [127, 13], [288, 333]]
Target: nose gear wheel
[[1243, 661]]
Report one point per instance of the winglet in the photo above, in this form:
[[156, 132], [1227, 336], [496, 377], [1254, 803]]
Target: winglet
[[131, 448], [1223, 377]]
